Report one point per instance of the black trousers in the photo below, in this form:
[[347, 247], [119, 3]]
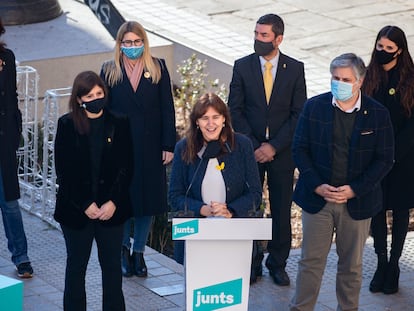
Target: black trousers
[[400, 219], [280, 185], [78, 247]]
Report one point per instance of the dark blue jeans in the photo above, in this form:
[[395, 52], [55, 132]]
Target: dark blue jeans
[[78, 247], [142, 226], [13, 227]]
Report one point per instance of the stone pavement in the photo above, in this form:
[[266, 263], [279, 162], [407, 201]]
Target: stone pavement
[[316, 31], [162, 290]]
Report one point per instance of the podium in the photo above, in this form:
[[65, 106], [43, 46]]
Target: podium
[[218, 254]]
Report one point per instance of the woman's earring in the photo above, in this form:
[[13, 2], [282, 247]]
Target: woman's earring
[[224, 124]]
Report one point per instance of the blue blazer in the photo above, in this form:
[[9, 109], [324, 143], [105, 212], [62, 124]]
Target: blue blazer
[[371, 155], [240, 174]]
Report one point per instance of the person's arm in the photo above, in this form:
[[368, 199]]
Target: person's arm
[[301, 151], [179, 193], [283, 139], [124, 161], [251, 197], [66, 165], [168, 132], [404, 140], [237, 102], [382, 159]]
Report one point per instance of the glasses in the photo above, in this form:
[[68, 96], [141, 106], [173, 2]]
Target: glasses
[[129, 43]]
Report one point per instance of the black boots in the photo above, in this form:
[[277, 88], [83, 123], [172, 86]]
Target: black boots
[[392, 277], [139, 266], [133, 264], [126, 262], [377, 282], [386, 276]]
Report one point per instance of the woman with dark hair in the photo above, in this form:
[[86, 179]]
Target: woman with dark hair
[[10, 132], [390, 80], [214, 173], [93, 159], [140, 87]]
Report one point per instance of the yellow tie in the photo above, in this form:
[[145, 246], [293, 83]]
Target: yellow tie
[[268, 80]]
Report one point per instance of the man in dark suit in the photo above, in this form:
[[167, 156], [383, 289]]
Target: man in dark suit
[[267, 113], [343, 146]]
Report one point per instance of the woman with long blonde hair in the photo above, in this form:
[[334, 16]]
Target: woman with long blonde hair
[[140, 87]]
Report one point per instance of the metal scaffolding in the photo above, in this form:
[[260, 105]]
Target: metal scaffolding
[[36, 170]]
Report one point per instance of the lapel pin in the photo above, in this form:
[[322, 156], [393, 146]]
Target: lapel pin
[[284, 66], [147, 74], [109, 139], [365, 112], [391, 91]]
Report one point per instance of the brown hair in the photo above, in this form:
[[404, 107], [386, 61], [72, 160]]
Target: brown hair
[[195, 140]]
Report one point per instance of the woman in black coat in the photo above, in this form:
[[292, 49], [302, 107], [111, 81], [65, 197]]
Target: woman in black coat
[[140, 87], [10, 130], [93, 159], [390, 80]]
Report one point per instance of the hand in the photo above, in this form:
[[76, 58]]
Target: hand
[[93, 211], [265, 153], [220, 210], [345, 193], [167, 157], [107, 210], [335, 194]]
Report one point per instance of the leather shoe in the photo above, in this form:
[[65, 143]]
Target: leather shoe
[[279, 275]]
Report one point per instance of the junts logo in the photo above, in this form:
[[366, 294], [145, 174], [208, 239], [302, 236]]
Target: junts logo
[[218, 296], [185, 228]]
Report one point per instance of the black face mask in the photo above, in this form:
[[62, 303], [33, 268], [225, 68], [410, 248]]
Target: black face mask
[[95, 105], [213, 149], [384, 57], [263, 48]]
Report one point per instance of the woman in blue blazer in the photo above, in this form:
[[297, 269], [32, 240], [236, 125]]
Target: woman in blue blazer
[[214, 173]]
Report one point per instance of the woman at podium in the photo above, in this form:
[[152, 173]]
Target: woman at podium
[[214, 172]]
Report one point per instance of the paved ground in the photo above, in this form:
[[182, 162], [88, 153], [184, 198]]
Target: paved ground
[[162, 290], [316, 31]]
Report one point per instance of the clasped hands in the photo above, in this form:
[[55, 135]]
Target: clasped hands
[[105, 212], [265, 153], [335, 194], [216, 209]]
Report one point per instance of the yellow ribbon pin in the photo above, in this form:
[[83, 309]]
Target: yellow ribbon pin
[[220, 167]]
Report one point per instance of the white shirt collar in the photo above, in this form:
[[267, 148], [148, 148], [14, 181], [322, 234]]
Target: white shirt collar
[[274, 61], [356, 107]]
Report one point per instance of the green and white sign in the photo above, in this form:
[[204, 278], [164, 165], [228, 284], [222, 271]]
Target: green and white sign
[[218, 296], [185, 228]]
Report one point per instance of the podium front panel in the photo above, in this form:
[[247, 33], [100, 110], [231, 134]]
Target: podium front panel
[[217, 274]]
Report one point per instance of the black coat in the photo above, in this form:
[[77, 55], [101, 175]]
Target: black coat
[[151, 114], [74, 173], [10, 125], [399, 183]]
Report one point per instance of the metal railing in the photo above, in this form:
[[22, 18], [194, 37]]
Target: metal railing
[[35, 155]]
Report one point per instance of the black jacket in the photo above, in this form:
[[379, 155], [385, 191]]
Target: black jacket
[[10, 125], [74, 174]]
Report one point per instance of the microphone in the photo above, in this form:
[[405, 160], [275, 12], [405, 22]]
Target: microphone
[[211, 150]]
